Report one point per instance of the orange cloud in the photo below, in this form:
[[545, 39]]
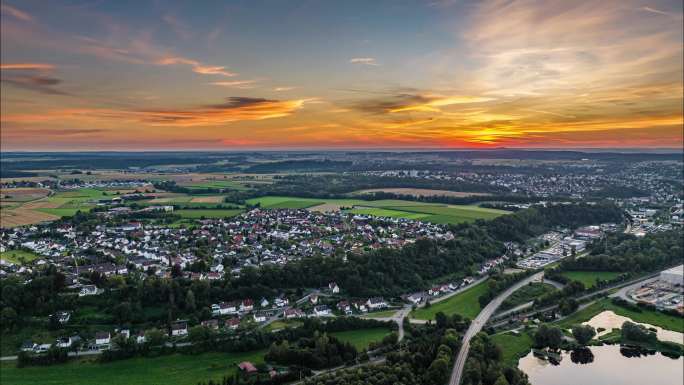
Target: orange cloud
[[196, 66], [235, 109], [27, 66]]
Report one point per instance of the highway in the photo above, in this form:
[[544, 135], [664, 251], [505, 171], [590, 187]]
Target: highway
[[479, 322]]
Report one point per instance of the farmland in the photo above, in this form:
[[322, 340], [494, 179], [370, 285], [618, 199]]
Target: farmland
[[21, 211], [176, 369], [429, 212], [208, 213], [465, 304]]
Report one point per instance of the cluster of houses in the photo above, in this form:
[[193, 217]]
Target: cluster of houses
[[255, 238]]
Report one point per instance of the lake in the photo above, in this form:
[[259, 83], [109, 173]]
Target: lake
[[608, 364]]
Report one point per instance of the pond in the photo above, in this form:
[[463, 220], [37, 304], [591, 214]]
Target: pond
[[608, 364]]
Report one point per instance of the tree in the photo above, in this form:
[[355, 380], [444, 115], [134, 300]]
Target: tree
[[154, 337], [583, 333], [8, 318], [551, 337], [438, 372], [190, 301]]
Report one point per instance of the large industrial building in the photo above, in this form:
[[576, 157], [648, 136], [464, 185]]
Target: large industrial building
[[673, 276]]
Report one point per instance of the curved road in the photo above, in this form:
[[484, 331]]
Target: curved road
[[479, 322]]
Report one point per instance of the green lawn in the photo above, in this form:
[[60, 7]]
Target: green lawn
[[361, 338], [16, 256], [465, 304], [651, 317], [380, 314], [513, 346], [174, 369], [218, 213], [588, 278], [526, 294], [283, 324]]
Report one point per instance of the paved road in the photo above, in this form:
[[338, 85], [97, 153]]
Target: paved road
[[479, 322]]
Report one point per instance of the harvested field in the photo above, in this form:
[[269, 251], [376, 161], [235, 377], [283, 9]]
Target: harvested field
[[420, 192], [212, 199], [22, 216], [326, 207], [23, 194]]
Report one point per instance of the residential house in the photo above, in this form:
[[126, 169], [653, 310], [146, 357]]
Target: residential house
[[179, 328], [102, 339]]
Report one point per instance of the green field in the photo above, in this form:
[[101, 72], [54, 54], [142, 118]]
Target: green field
[[361, 338], [64, 212], [513, 346], [378, 212], [393, 208], [651, 317], [526, 294], [174, 369], [465, 304], [16, 256], [588, 278], [223, 184], [217, 213]]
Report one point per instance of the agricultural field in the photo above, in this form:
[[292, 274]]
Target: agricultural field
[[588, 278], [208, 213], [378, 212], [283, 324], [49, 207], [17, 256], [429, 212], [420, 192], [361, 338], [466, 304], [176, 369], [222, 184]]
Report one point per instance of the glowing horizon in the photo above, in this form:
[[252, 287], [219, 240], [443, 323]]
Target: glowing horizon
[[354, 75]]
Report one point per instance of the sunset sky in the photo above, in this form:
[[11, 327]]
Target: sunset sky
[[231, 75]]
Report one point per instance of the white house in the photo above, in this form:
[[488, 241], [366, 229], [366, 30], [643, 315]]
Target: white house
[[376, 303], [179, 329], [333, 287], [102, 338], [88, 290], [259, 317], [321, 311]]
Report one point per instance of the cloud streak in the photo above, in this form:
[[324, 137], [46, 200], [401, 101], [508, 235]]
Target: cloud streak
[[369, 61], [15, 12], [196, 66]]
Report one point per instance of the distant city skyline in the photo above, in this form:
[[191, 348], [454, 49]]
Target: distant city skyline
[[246, 75]]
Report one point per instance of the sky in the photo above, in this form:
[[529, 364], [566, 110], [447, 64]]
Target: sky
[[315, 74]]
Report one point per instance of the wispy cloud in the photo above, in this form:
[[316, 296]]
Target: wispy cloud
[[283, 89], [31, 76], [14, 12], [27, 66], [196, 66], [413, 102], [239, 84], [364, 60], [234, 109]]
